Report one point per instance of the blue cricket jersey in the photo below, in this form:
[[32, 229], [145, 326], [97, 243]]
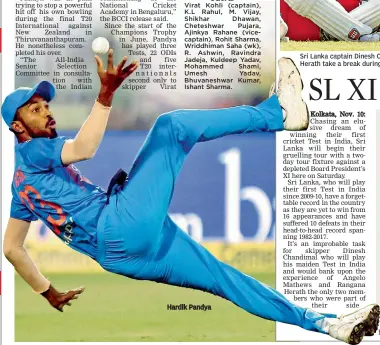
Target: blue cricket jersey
[[43, 188]]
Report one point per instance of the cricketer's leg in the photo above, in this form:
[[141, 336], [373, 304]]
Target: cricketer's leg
[[179, 260], [368, 13], [330, 16], [135, 216], [132, 222]]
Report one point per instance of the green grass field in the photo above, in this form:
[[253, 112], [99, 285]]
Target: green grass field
[[329, 46], [114, 308]]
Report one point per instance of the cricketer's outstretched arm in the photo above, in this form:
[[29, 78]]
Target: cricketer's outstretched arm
[[17, 255], [89, 137]]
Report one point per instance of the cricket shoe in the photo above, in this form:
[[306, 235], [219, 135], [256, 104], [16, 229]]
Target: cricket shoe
[[374, 37], [290, 86], [369, 315], [351, 332]]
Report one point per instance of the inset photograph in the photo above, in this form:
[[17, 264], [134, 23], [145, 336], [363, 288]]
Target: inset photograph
[[330, 25]]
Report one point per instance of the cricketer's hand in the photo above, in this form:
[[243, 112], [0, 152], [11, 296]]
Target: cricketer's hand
[[113, 77], [58, 299]]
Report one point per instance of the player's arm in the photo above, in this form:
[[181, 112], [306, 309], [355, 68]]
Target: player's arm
[[17, 255], [88, 139]]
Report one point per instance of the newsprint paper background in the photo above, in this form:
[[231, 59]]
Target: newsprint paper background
[[239, 196]]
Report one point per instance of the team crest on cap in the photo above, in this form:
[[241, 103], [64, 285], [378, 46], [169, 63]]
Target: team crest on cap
[[354, 34]]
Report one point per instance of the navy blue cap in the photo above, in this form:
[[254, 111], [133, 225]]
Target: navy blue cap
[[22, 95]]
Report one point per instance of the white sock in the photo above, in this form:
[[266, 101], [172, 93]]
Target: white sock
[[331, 16], [326, 323], [368, 13]]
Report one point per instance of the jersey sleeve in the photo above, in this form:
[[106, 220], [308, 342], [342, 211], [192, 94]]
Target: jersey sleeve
[[20, 211], [43, 154]]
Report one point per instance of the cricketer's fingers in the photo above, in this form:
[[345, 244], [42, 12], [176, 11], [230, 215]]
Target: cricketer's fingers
[[73, 293], [127, 71], [121, 64], [99, 63], [70, 295], [110, 61], [79, 290]]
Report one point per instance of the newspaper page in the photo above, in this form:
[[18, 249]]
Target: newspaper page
[[224, 149]]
